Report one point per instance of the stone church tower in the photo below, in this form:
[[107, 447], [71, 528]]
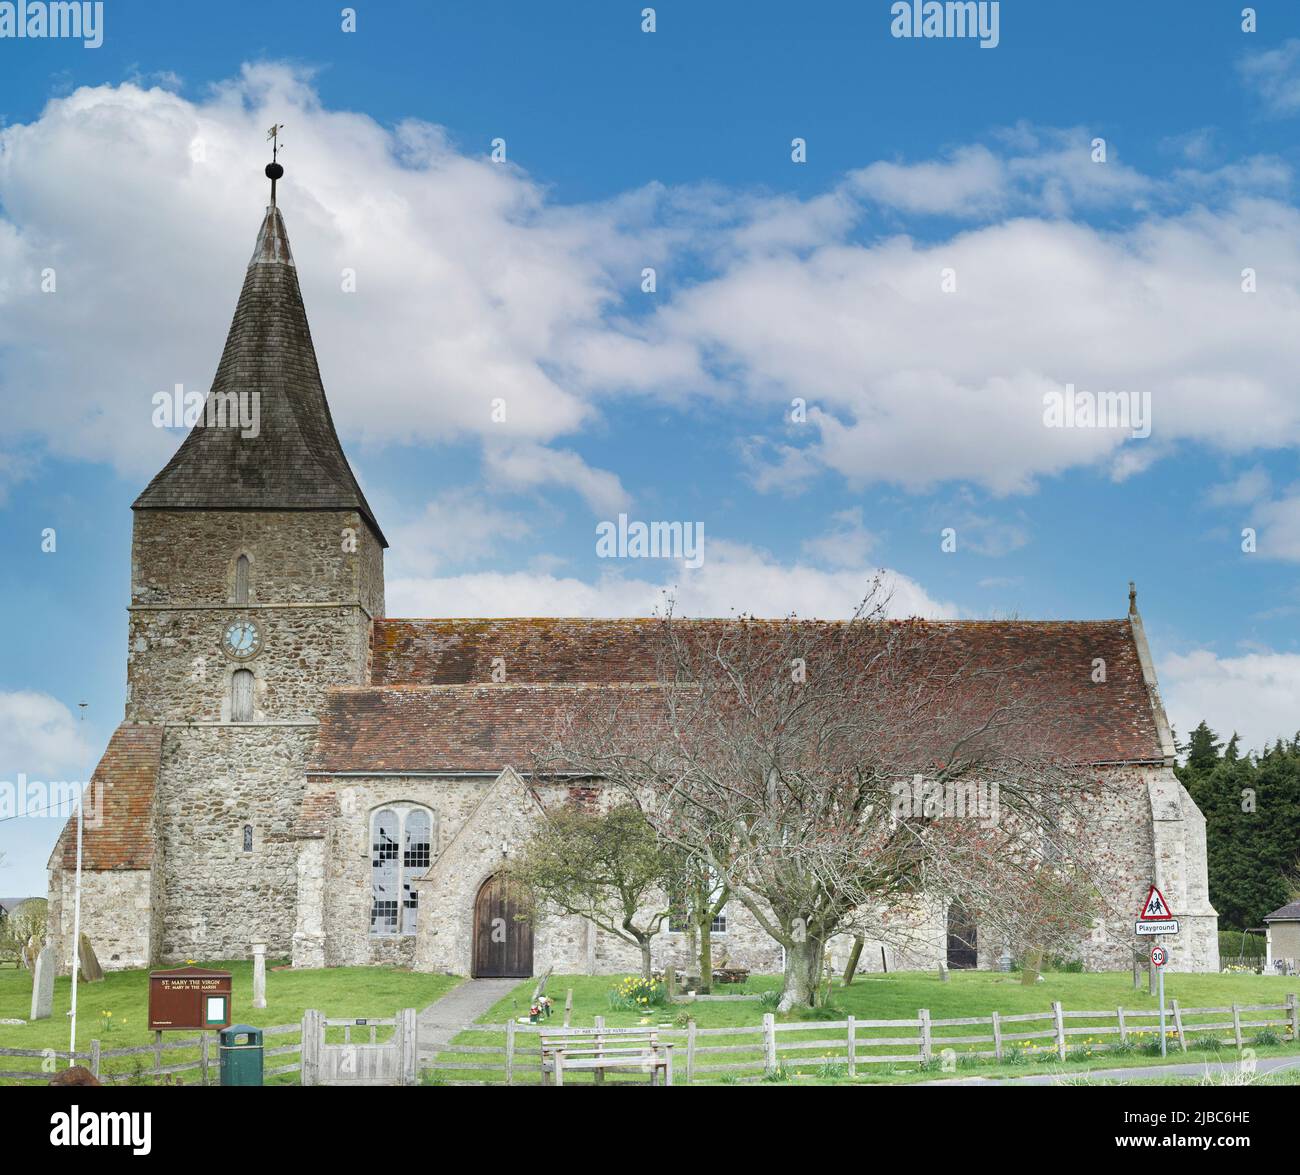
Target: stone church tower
[[256, 571]]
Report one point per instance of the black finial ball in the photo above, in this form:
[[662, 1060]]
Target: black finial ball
[[274, 171]]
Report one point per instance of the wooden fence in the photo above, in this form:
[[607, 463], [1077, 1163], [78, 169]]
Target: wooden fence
[[511, 1053], [845, 1046], [204, 1065]]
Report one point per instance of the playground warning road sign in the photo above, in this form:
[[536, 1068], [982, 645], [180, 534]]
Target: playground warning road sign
[[1155, 907], [1158, 957], [1148, 926]]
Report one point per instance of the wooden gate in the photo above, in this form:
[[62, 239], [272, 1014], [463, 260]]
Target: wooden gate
[[503, 942], [962, 939], [363, 1062]]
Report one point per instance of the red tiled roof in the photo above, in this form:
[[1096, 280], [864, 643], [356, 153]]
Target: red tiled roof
[[118, 832], [451, 728], [485, 727], [544, 649]]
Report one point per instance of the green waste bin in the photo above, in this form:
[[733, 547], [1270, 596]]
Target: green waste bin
[[241, 1060]]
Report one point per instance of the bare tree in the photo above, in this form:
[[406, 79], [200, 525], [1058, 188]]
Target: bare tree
[[831, 774], [23, 932], [697, 897]]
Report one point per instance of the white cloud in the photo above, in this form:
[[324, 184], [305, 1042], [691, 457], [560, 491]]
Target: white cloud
[[1274, 75], [971, 181], [1257, 695], [41, 739], [469, 286], [1276, 520], [474, 286], [1247, 487], [1278, 525], [846, 544], [519, 467], [911, 385], [457, 528], [1042, 170], [733, 578]]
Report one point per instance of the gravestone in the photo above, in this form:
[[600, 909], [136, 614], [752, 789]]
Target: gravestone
[[89, 967], [259, 975], [43, 984], [943, 972]]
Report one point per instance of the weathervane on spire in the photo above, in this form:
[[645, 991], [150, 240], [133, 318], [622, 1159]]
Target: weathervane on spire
[[273, 169]]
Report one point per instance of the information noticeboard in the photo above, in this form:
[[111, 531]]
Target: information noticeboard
[[190, 998]]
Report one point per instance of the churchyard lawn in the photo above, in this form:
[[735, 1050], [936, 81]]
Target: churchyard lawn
[[342, 991], [379, 991], [899, 996]]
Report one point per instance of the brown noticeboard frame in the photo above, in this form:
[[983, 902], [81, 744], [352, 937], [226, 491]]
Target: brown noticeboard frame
[[181, 999]]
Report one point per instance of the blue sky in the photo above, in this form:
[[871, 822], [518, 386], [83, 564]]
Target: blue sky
[[133, 171]]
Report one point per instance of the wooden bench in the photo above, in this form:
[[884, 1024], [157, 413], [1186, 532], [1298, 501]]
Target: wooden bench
[[638, 1050]]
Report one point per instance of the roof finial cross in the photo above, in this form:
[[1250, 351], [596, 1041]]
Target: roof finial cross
[[273, 169], [1132, 596]]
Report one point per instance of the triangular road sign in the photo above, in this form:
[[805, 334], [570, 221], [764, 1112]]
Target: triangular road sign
[[1155, 908]]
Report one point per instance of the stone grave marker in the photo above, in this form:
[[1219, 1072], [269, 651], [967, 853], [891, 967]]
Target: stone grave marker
[[43, 984], [90, 969]]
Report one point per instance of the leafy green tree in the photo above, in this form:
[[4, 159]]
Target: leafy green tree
[[605, 866], [1252, 823], [1203, 749]]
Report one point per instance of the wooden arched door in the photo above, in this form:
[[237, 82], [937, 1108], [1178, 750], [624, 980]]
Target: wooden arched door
[[503, 942], [962, 938]]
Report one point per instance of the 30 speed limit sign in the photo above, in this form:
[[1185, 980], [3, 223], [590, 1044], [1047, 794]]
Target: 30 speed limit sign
[[1159, 956]]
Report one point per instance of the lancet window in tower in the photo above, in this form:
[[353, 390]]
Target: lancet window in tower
[[241, 695], [241, 580]]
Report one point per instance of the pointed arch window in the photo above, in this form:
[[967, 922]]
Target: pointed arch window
[[401, 848], [241, 579], [241, 695]]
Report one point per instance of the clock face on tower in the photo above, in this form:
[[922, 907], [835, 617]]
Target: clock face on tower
[[242, 639]]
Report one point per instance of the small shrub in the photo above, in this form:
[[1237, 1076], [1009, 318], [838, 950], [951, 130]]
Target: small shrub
[[780, 1073], [823, 1012], [832, 1069], [1266, 1038], [1123, 1048], [769, 999], [636, 994], [1208, 1044]]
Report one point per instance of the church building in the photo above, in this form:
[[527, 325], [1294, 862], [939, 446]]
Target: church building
[[296, 768]]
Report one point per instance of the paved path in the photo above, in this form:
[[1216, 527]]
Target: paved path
[[1197, 1070], [458, 1009]]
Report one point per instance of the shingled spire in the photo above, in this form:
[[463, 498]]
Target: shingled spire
[[295, 460]]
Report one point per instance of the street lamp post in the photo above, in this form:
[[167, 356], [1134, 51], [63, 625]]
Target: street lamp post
[[76, 913]]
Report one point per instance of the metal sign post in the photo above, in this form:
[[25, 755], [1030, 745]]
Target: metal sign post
[[1157, 919], [1158, 960]]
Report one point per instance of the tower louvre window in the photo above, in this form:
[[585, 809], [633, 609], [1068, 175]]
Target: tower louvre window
[[241, 696], [241, 580]]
